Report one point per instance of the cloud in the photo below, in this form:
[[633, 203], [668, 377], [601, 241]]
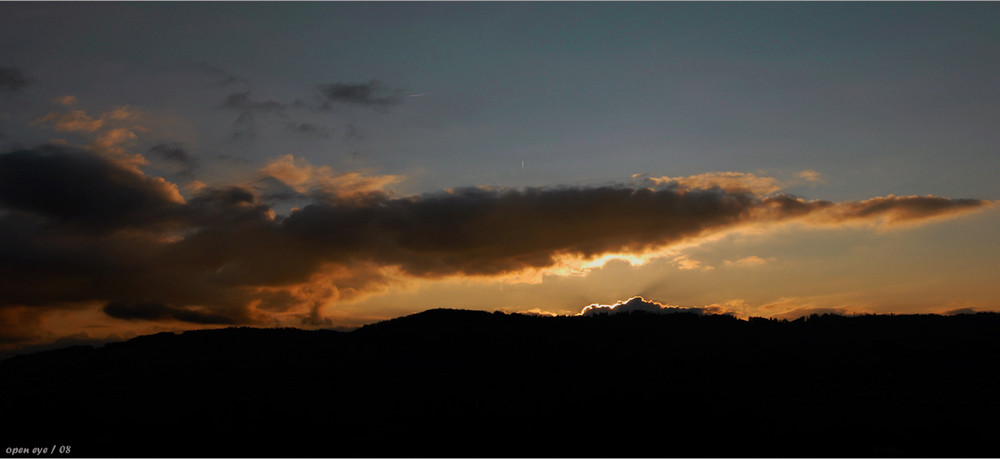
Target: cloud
[[894, 210], [79, 228], [739, 182], [639, 304], [749, 262], [116, 141], [371, 94], [80, 121], [245, 126], [12, 79], [322, 181], [154, 310], [72, 121], [223, 77], [242, 101], [810, 175], [174, 153], [114, 131], [792, 308], [736, 182], [66, 100], [75, 187], [308, 129], [686, 263]]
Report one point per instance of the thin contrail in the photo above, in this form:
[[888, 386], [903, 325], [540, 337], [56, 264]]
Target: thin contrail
[[417, 95]]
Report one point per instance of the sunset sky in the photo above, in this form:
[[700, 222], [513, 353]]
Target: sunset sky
[[170, 166]]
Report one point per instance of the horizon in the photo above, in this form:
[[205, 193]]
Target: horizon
[[181, 166], [643, 308]]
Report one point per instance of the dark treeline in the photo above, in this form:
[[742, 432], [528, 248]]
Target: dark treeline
[[475, 384]]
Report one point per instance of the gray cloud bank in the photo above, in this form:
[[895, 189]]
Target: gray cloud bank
[[79, 227]]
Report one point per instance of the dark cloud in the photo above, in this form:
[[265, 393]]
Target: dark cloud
[[245, 126], [307, 129], [242, 101], [351, 132], [77, 187], [12, 79], [77, 227], [371, 94], [176, 154], [271, 189], [153, 310], [172, 152], [223, 78], [488, 232], [229, 81]]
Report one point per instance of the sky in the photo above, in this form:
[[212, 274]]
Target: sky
[[171, 166]]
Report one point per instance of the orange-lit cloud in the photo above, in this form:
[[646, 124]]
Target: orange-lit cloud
[[748, 262], [72, 121], [79, 227], [115, 140], [68, 101], [892, 211], [810, 175], [80, 121], [640, 304], [736, 182], [303, 177], [728, 181], [737, 308], [686, 263], [115, 131]]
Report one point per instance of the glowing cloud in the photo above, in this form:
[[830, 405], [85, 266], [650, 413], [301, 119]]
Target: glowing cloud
[[728, 181], [638, 304], [72, 121], [810, 175], [892, 211], [686, 263], [66, 100], [735, 182], [222, 255], [749, 262], [303, 177]]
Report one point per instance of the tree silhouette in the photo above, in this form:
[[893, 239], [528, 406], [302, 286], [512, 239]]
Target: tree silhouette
[[472, 384]]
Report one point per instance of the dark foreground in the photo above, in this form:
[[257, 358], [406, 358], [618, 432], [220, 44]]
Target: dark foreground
[[474, 384]]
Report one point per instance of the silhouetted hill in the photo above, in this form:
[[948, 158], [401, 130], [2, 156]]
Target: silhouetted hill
[[475, 384]]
